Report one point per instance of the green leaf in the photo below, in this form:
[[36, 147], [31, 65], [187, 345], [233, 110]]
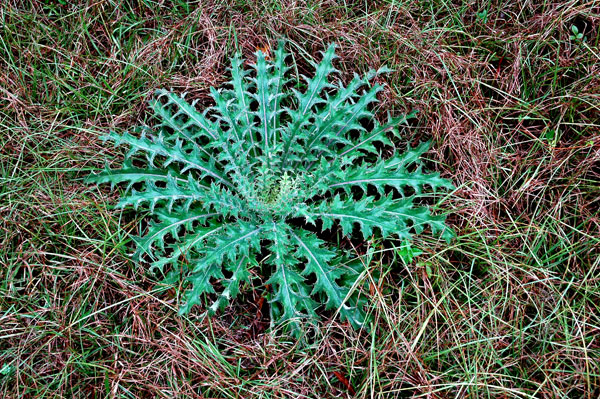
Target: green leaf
[[131, 175], [236, 241], [170, 223], [378, 134], [225, 202], [387, 173], [278, 81], [408, 216], [290, 291], [231, 287], [420, 216], [200, 282], [348, 213], [189, 158], [187, 247], [185, 119], [266, 97], [335, 132], [318, 258], [243, 100], [174, 191], [305, 102]]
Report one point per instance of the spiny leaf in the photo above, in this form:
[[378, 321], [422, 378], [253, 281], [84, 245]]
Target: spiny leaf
[[242, 85], [378, 134], [131, 175], [231, 286], [187, 192], [195, 119], [306, 101], [188, 246], [225, 202], [318, 258], [170, 223], [200, 282], [189, 157], [403, 210], [290, 291], [386, 173], [349, 212], [234, 243]]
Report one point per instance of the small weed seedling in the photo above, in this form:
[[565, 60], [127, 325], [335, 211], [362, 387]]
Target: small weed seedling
[[249, 176], [576, 36]]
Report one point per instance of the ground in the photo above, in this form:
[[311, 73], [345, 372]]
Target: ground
[[509, 94]]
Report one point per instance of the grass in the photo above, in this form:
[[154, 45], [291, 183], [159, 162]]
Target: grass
[[509, 310]]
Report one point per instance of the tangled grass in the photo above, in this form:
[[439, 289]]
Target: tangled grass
[[510, 97]]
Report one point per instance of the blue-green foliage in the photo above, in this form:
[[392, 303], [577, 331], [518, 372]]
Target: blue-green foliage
[[226, 183]]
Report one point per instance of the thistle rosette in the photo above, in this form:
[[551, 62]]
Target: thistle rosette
[[226, 184]]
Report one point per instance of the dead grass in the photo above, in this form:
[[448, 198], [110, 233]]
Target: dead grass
[[509, 310]]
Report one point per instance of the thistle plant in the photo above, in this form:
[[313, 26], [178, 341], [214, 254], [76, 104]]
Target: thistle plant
[[265, 171]]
